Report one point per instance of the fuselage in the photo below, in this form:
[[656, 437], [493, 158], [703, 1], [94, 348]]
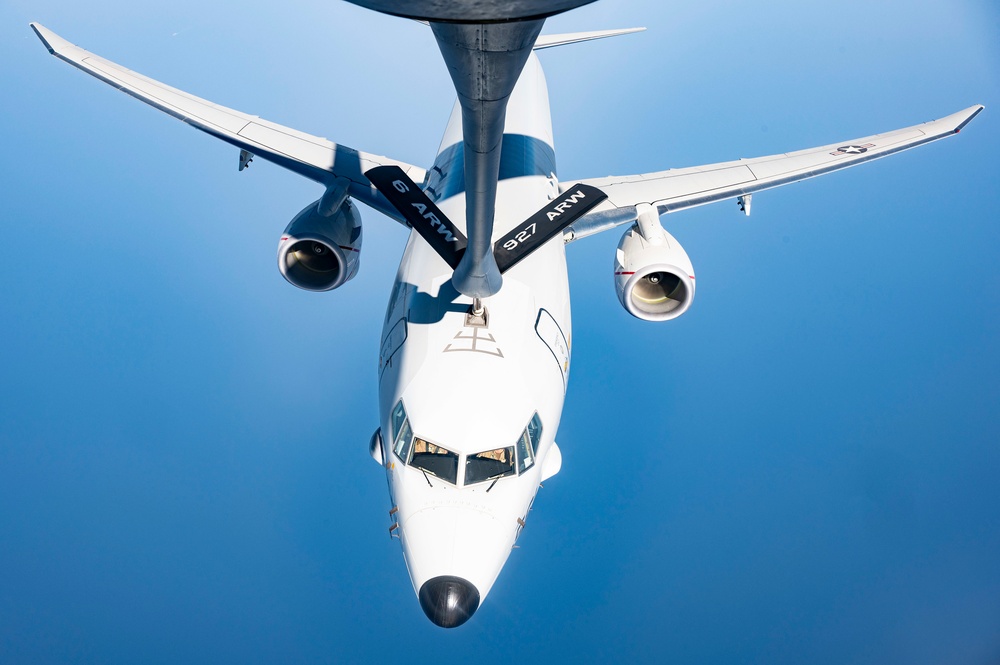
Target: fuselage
[[469, 406]]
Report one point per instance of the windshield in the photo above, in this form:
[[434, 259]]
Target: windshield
[[404, 435], [528, 444], [489, 465], [435, 460]]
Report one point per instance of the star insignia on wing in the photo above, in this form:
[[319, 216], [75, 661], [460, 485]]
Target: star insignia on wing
[[852, 149]]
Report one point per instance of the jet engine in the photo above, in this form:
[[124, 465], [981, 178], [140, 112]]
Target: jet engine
[[653, 275], [321, 248]]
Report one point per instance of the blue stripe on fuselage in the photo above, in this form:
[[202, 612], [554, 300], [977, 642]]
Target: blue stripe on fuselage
[[520, 155]]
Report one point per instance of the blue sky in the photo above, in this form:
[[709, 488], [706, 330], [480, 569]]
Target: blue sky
[[803, 468]]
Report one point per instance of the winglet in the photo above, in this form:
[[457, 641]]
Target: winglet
[[58, 46], [53, 42], [548, 41], [972, 112], [43, 34]]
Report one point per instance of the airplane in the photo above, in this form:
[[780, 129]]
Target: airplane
[[476, 343]]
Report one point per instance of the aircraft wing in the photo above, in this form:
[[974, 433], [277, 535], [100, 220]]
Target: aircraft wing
[[679, 189], [311, 156]]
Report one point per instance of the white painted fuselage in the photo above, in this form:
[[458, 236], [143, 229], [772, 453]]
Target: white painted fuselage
[[470, 388]]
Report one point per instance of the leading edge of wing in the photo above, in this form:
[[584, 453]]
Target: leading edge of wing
[[310, 156], [679, 189]]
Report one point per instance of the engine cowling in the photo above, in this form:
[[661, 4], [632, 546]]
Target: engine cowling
[[319, 252], [654, 280]]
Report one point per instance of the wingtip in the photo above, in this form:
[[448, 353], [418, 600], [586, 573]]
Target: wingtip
[[43, 33], [972, 111], [56, 45]]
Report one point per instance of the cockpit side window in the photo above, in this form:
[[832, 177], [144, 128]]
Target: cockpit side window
[[527, 445], [435, 460], [403, 443], [489, 465], [396, 418]]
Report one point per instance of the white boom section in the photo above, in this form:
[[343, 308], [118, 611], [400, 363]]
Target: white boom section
[[311, 156], [679, 189], [548, 41]]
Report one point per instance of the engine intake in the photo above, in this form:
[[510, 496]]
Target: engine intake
[[319, 252], [654, 280]]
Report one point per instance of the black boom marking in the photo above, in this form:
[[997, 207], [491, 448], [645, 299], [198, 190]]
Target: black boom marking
[[538, 229], [420, 212], [450, 243]]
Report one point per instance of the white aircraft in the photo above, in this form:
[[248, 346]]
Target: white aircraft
[[476, 343]]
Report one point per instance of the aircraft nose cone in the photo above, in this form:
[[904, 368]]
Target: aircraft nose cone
[[448, 601]]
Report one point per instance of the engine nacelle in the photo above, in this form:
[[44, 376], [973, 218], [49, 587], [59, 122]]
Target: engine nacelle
[[319, 252], [654, 280]]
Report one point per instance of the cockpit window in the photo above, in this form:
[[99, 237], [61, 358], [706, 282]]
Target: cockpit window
[[480, 467], [528, 444], [403, 442], [489, 465], [435, 460], [397, 417]]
